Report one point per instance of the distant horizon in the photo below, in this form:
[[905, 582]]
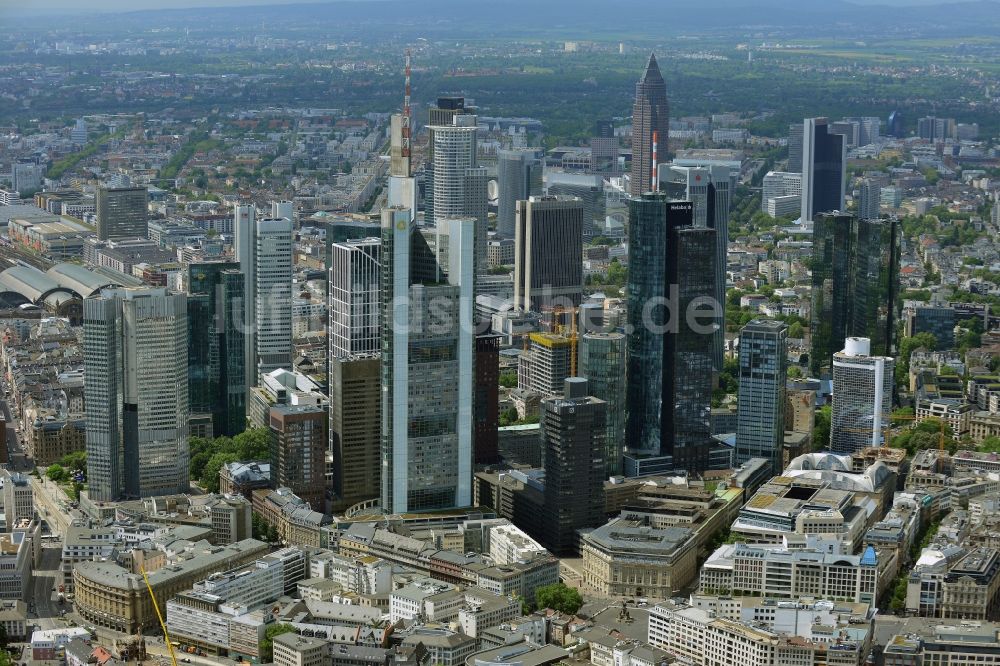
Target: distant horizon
[[101, 6]]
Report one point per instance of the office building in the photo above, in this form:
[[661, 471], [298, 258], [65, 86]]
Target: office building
[[781, 189], [824, 160], [708, 188], [427, 366], [545, 365], [763, 358], [26, 177], [122, 212], [938, 320], [869, 199], [669, 353], [519, 176], [795, 148], [604, 149], [936, 129], [855, 283], [299, 442], [573, 429], [459, 184], [602, 364], [354, 281], [650, 114], [862, 397], [136, 395], [442, 114], [264, 250], [486, 404], [722, 631], [895, 125], [355, 435], [217, 379], [18, 499], [548, 253]]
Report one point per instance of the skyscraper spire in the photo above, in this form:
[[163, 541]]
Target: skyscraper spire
[[650, 114]]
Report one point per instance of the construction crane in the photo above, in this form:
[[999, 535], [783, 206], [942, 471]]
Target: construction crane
[[159, 616]]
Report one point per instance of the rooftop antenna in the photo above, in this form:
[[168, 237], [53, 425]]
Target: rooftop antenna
[[405, 148]]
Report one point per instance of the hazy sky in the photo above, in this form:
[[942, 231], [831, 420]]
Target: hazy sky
[[20, 6]]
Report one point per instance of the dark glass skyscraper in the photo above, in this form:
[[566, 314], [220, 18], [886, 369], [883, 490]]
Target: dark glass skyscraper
[[669, 354], [651, 113], [824, 158], [216, 370], [855, 277], [519, 176]]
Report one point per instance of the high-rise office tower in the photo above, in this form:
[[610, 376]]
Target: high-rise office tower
[[355, 433], [589, 189], [873, 302], [459, 184], [937, 129], [355, 277], [573, 430], [298, 450], [216, 347], [442, 114], [122, 212], [895, 122], [855, 277], [869, 199], [486, 404], [795, 148], [651, 113], [862, 397], [519, 176], [428, 347], [871, 130], [355, 343], [669, 349], [602, 364], [760, 419], [264, 250], [708, 188], [829, 267], [548, 253], [604, 149], [850, 129], [824, 160], [546, 364], [136, 394]]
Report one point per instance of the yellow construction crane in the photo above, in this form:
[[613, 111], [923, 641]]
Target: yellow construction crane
[[159, 616]]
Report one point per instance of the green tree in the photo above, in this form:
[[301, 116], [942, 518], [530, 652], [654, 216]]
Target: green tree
[[794, 372], [210, 474], [821, 429], [508, 379], [560, 597], [253, 444], [75, 460], [990, 445], [267, 644], [796, 330], [57, 473]]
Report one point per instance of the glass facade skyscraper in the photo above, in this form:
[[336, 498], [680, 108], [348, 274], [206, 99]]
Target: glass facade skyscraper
[[216, 371], [760, 415], [855, 278], [824, 159], [136, 395], [519, 176], [669, 352], [428, 347], [602, 363]]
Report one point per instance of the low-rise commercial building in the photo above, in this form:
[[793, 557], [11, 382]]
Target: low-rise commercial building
[[109, 595]]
